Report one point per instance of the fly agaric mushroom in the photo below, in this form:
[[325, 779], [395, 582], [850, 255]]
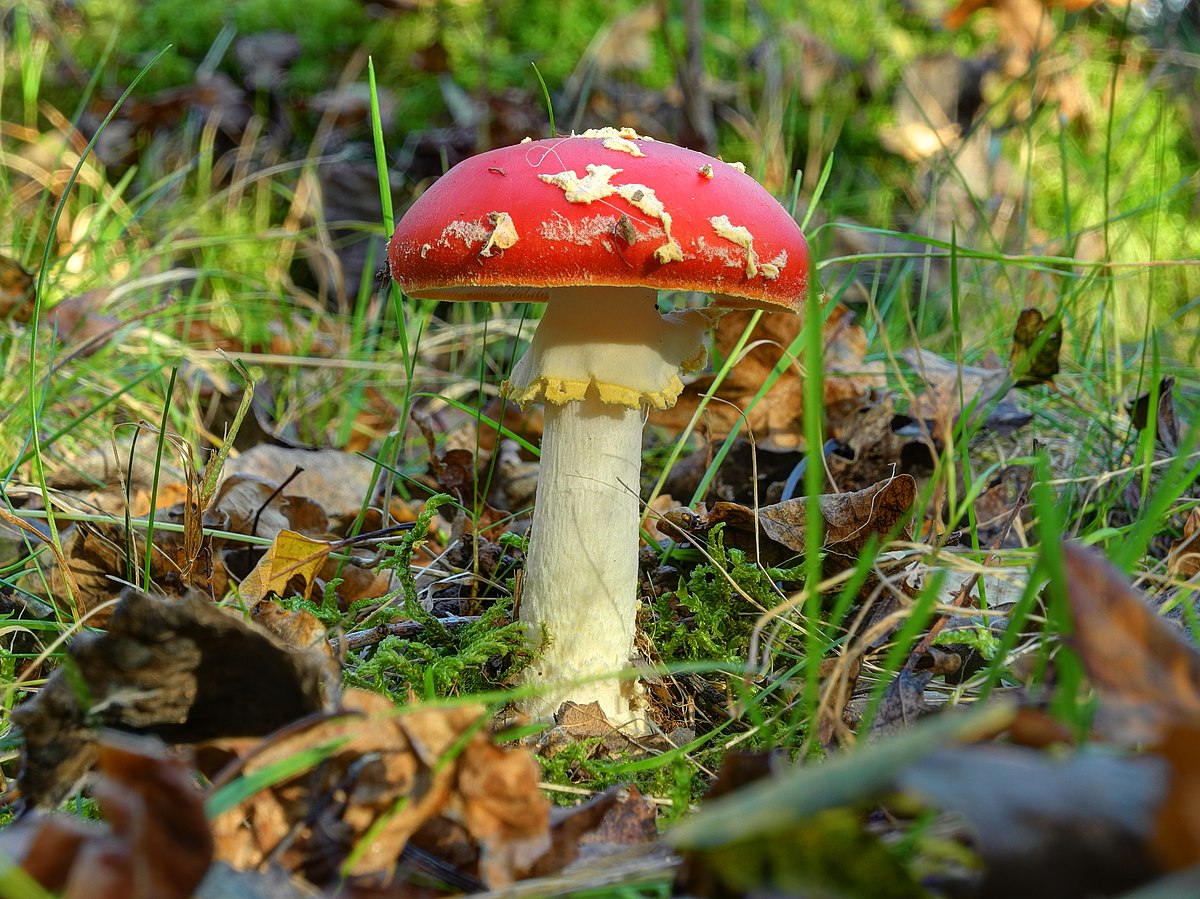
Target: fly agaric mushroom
[[594, 225]]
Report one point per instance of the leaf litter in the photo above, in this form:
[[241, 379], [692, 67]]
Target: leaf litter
[[316, 821], [338, 782]]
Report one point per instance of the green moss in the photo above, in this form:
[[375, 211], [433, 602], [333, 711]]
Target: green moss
[[707, 618], [474, 659], [443, 662]]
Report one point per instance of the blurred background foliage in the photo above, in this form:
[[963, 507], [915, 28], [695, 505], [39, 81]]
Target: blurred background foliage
[[1055, 142]]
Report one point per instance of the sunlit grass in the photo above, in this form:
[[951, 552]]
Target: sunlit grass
[[207, 248]]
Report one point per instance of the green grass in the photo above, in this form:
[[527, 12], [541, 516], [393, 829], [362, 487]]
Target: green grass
[[204, 243]]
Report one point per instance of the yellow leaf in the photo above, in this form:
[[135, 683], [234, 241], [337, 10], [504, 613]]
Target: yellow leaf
[[290, 555]]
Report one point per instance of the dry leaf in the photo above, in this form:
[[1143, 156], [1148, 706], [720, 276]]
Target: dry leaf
[[518, 477], [778, 418], [428, 775], [287, 568], [1047, 826], [951, 389], [850, 520], [110, 464], [253, 505], [16, 289], [1131, 654], [1035, 367], [1167, 429], [97, 556], [1183, 558], [620, 816], [338, 482], [155, 843], [184, 670], [455, 471]]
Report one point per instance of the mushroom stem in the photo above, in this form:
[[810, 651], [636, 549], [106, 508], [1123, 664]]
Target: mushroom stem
[[600, 355], [581, 571]]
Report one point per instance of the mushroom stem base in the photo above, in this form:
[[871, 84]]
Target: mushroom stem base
[[581, 571]]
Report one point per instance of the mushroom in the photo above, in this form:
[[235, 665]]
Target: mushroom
[[594, 225]]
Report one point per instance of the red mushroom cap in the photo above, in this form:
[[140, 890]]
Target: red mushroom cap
[[606, 208]]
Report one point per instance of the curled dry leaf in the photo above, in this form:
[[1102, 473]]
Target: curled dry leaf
[[850, 520], [455, 471], [288, 567], [337, 481], [184, 670], [1167, 427], [1035, 349], [1183, 559], [1128, 651], [1148, 674], [778, 418], [620, 816], [952, 389], [903, 703], [869, 448], [155, 842], [386, 777]]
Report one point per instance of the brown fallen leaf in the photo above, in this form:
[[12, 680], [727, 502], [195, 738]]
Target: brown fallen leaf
[[98, 564], [870, 449], [778, 418], [1023, 25], [432, 776], [952, 389], [1131, 654], [1183, 558], [1167, 428], [620, 816], [130, 457], [155, 842], [749, 472], [903, 703], [287, 568], [1035, 366], [518, 478], [455, 471], [295, 627], [16, 289], [184, 670], [1176, 842], [258, 507], [1047, 826], [338, 482], [584, 722], [850, 520]]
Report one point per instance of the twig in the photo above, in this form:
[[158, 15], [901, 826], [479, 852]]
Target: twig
[[373, 635]]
